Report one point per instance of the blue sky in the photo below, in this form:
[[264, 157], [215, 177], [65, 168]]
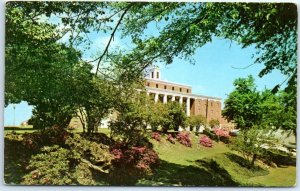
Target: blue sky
[[212, 75]]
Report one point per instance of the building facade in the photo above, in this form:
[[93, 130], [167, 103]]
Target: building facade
[[165, 91]]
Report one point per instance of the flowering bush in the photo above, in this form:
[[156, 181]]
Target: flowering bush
[[171, 139], [184, 138], [132, 163], [206, 141], [50, 136], [156, 136], [222, 134]]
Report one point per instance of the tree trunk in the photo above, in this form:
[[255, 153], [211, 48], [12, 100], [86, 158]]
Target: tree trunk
[[253, 160]]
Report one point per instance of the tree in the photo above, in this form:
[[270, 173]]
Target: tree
[[184, 27], [248, 107], [176, 117], [197, 121], [158, 114], [130, 125], [94, 98], [252, 143], [243, 104], [38, 68], [277, 112]]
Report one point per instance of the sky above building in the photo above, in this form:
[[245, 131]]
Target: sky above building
[[217, 65]]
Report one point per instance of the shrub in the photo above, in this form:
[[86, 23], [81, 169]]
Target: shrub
[[16, 159], [171, 139], [49, 167], [132, 163], [74, 163], [210, 134], [214, 123], [206, 141], [222, 134], [184, 138], [50, 136], [156, 136]]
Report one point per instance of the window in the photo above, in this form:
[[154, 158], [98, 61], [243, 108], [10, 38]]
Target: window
[[157, 75], [187, 91], [156, 85], [173, 88], [148, 84], [152, 74], [165, 87], [180, 89]]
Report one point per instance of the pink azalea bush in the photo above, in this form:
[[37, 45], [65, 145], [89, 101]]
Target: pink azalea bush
[[156, 136], [206, 141], [221, 132], [171, 139], [184, 138], [134, 161]]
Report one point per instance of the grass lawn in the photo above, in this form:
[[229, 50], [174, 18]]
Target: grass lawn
[[216, 166], [19, 129]]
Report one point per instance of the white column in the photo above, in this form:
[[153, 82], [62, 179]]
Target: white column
[[173, 98], [165, 100], [188, 106], [180, 100], [156, 97]]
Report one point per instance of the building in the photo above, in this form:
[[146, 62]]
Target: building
[[165, 91]]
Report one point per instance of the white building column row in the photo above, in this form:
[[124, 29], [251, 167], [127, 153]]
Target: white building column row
[[165, 100]]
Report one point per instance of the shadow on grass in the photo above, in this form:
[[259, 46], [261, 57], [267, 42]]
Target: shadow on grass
[[245, 166], [171, 174]]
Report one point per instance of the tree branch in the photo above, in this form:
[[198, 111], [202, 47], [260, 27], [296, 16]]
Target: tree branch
[[243, 67], [94, 167], [111, 37]]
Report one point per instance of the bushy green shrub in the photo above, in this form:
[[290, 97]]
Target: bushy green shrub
[[74, 163], [51, 167]]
